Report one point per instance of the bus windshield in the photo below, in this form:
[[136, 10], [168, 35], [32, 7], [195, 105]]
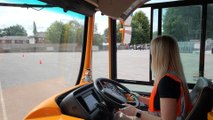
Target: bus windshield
[[40, 55]]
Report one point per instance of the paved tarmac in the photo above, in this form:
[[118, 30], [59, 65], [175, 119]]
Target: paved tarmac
[[26, 79], [29, 78]]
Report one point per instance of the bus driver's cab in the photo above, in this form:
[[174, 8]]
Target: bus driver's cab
[[85, 59]]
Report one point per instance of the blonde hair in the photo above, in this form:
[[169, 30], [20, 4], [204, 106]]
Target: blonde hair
[[165, 57]]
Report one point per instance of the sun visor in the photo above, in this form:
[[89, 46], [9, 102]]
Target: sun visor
[[118, 9], [80, 6]]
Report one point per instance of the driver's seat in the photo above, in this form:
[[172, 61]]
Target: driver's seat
[[201, 83], [203, 105]]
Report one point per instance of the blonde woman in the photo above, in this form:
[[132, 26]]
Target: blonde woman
[[169, 87]]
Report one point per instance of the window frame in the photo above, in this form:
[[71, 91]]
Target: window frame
[[160, 6]]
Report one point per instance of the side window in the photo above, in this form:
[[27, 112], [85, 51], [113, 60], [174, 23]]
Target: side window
[[209, 43], [134, 57], [100, 65], [184, 23]]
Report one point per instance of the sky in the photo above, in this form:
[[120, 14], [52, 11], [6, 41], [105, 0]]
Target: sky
[[43, 18], [12, 16]]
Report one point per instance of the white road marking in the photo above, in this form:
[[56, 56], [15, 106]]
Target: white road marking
[[3, 104]]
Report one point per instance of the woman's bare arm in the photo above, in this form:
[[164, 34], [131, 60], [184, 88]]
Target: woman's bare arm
[[168, 111]]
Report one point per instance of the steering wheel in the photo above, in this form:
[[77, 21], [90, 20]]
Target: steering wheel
[[114, 93]]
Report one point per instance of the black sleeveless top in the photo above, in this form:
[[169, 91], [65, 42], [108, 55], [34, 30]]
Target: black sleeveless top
[[167, 88]]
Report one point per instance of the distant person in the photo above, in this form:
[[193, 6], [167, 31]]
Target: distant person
[[169, 86]]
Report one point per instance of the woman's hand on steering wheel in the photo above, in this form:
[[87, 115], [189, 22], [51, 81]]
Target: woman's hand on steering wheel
[[114, 92]]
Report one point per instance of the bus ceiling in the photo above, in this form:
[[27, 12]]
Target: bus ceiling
[[88, 7], [116, 9]]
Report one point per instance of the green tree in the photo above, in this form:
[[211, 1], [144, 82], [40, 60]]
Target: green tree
[[79, 36], [76, 32], [16, 30], [183, 23], [60, 32], [1, 32], [95, 29], [140, 28], [209, 31], [96, 36], [98, 39], [55, 33], [105, 35], [34, 28], [70, 30], [67, 32], [118, 33]]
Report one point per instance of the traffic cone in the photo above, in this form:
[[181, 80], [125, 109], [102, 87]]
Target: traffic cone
[[40, 61]]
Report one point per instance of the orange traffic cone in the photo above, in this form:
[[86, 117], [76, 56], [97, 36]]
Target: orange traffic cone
[[40, 62]]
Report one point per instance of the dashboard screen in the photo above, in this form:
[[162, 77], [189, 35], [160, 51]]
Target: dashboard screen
[[90, 101]]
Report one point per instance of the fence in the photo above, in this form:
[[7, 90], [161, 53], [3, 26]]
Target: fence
[[40, 47]]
